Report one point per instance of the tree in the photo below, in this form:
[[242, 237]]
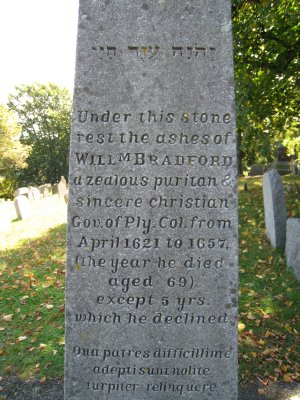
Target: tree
[[267, 49], [13, 154], [44, 113]]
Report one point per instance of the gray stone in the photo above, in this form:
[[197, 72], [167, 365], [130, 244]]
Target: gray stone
[[63, 180], [283, 167], [151, 290], [256, 170], [45, 190], [35, 193], [275, 208], [62, 188], [292, 248], [294, 168], [22, 206]]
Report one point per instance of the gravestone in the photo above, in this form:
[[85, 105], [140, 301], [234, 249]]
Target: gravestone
[[22, 206], [45, 190], [275, 208], [151, 290], [292, 248], [62, 188], [35, 193], [256, 170], [24, 191], [63, 180]]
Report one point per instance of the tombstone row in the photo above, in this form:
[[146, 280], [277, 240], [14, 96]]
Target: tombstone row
[[282, 232], [24, 197]]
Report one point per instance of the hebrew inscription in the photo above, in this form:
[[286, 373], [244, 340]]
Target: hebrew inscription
[[151, 297]]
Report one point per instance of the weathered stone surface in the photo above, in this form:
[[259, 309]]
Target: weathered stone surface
[[35, 193], [292, 248], [151, 293], [63, 180], [62, 188], [22, 206], [275, 208]]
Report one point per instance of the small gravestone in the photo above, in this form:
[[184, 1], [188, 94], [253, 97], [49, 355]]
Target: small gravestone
[[24, 191], [256, 170], [35, 193], [282, 160], [275, 208], [22, 206], [292, 248], [45, 190], [62, 188], [63, 180], [151, 288]]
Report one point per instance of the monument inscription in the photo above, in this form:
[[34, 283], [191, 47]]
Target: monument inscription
[[151, 294]]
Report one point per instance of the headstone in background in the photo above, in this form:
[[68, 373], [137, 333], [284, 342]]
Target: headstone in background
[[24, 191], [282, 160], [151, 293], [275, 208], [294, 168], [22, 206], [63, 180], [45, 190], [35, 193], [292, 248], [256, 170], [62, 188]]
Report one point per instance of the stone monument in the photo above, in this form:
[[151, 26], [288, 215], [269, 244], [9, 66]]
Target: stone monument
[[275, 208], [151, 292], [62, 187], [23, 207], [292, 247]]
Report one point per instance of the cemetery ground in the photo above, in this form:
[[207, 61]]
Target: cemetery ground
[[32, 269]]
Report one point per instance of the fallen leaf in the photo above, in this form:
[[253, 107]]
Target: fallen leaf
[[8, 317], [21, 338], [287, 378], [261, 342]]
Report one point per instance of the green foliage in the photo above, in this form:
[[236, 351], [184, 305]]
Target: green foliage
[[12, 153], [267, 48], [44, 113], [7, 188]]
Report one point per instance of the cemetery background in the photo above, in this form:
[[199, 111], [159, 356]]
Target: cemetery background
[[33, 333]]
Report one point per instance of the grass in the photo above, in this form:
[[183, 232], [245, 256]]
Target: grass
[[269, 294], [32, 259]]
